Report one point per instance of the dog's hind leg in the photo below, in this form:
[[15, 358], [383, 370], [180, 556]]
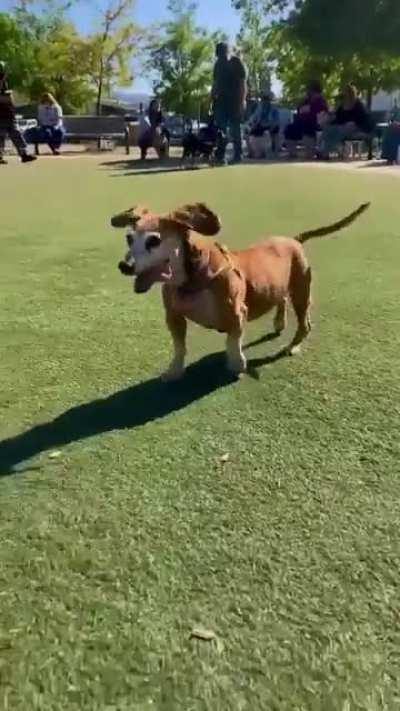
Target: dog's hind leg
[[301, 300], [280, 320]]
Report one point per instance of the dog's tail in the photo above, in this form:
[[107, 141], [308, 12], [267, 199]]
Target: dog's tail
[[329, 229]]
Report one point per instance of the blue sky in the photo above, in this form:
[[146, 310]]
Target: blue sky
[[214, 14]]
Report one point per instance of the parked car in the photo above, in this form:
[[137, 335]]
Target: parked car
[[176, 126], [24, 124]]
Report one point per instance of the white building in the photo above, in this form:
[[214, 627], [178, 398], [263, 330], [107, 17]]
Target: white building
[[383, 101]]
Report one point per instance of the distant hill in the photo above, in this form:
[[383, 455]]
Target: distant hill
[[132, 98]]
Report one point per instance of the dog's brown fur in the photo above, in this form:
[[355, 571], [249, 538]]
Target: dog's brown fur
[[224, 289]]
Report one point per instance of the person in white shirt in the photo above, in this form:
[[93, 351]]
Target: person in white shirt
[[50, 129]]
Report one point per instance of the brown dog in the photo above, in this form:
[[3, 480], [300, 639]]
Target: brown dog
[[206, 283]]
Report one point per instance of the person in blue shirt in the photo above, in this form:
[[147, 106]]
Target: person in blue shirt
[[265, 119]]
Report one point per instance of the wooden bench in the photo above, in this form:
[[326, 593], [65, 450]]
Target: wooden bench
[[95, 128]]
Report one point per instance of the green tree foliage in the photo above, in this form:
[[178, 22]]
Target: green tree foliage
[[354, 27], [253, 43], [110, 50], [61, 66], [45, 52], [295, 66], [361, 36], [15, 48], [336, 42], [181, 56]]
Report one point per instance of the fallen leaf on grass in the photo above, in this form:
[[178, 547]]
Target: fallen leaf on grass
[[205, 635], [224, 459]]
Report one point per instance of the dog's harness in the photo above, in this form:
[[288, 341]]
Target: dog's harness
[[191, 288]]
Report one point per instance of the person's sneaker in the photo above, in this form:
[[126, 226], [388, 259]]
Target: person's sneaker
[[3, 161], [26, 158]]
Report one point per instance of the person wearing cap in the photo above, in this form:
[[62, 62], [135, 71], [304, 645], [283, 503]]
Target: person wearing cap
[[229, 98], [8, 121]]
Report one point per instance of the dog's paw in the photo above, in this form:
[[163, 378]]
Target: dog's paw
[[293, 350], [237, 367], [172, 375]]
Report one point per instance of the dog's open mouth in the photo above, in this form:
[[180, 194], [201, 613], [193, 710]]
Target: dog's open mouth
[[161, 273]]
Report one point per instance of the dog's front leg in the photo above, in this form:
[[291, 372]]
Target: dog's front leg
[[236, 359], [177, 326]]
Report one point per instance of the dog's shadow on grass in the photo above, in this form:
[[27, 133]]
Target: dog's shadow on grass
[[127, 409]]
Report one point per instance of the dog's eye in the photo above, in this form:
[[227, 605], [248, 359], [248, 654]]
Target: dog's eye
[[152, 242]]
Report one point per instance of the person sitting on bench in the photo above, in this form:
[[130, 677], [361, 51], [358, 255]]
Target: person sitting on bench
[[265, 119], [306, 123], [351, 121], [50, 129], [152, 133]]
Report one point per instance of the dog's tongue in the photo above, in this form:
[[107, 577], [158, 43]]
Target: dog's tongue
[[145, 281]]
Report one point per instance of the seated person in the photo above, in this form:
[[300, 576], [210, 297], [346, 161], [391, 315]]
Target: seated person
[[152, 134], [391, 137], [306, 123], [50, 129], [350, 120], [265, 119]]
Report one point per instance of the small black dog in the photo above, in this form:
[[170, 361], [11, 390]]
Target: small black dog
[[201, 146]]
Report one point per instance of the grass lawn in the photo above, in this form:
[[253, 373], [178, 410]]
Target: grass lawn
[[123, 527]]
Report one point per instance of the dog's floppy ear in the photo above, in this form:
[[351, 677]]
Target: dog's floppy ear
[[197, 217], [130, 217]]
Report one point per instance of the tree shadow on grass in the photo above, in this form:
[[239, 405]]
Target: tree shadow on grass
[[126, 409]]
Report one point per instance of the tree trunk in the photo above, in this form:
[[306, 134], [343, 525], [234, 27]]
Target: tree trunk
[[98, 102], [100, 87], [370, 89], [99, 96], [369, 97]]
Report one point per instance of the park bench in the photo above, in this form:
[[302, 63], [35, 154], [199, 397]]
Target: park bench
[[372, 140], [354, 146], [106, 131]]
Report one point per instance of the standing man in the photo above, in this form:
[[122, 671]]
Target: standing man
[[8, 121], [229, 96]]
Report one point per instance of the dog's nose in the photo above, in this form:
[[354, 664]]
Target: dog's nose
[[126, 269]]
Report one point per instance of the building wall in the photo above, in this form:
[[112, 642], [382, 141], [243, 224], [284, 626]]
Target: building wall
[[383, 101]]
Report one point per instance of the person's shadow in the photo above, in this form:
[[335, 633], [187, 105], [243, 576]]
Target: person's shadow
[[126, 409]]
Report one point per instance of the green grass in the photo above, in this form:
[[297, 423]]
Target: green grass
[[136, 531]]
